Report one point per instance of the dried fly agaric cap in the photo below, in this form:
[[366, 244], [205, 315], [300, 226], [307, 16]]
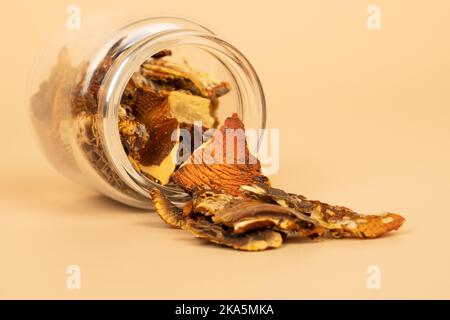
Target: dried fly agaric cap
[[221, 168]]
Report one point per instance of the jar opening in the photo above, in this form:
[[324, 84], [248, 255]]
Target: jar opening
[[249, 97]]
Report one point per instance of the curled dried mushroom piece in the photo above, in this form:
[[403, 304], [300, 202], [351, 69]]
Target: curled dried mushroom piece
[[172, 215]]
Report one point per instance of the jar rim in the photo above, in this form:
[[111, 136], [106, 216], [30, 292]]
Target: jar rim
[[122, 69]]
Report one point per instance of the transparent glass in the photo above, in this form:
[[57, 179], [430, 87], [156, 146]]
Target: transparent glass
[[70, 64]]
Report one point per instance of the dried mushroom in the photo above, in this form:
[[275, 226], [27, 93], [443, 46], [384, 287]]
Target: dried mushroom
[[156, 158], [213, 167], [172, 215], [340, 221], [343, 222]]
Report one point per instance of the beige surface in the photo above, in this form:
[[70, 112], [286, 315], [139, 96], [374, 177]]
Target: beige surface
[[364, 118]]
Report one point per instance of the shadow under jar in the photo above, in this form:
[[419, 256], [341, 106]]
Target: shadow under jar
[[77, 104]]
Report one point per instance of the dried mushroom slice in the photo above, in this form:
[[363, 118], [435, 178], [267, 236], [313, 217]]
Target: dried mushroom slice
[[148, 103], [156, 159], [248, 214], [181, 76], [183, 106], [252, 241], [267, 193], [168, 212], [213, 167], [340, 221], [343, 222]]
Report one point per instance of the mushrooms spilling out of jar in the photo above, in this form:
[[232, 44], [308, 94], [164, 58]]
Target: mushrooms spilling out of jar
[[234, 204], [231, 202]]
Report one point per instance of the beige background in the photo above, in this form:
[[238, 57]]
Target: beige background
[[364, 118]]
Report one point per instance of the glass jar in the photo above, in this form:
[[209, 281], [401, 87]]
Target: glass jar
[[104, 54]]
